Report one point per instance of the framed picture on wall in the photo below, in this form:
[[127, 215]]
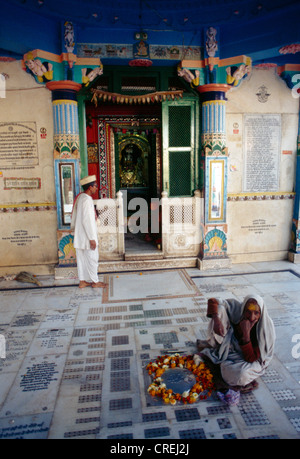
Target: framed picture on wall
[[216, 190]]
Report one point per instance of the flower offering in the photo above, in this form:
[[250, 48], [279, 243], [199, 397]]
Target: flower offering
[[202, 388]]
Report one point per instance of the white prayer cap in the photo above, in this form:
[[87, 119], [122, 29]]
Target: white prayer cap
[[88, 179]]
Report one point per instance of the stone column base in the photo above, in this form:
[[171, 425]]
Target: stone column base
[[214, 263], [294, 257]]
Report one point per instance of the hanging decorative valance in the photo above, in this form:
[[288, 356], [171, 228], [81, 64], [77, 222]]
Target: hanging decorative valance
[[138, 99]]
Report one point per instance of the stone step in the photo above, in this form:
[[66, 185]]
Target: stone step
[[147, 264], [141, 262], [70, 272], [140, 256]]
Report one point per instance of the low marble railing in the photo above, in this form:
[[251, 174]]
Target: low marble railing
[[182, 225], [110, 224]]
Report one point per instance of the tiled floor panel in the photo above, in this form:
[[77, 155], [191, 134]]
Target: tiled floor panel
[[75, 359]]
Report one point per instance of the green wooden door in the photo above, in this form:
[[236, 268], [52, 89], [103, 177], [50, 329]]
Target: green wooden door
[[180, 146]]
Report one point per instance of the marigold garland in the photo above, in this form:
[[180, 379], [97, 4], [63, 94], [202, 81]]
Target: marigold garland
[[201, 389]]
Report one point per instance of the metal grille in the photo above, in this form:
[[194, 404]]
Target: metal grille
[[182, 213], [180, 126], [180, 163], [180, 173], [108, 216], [138, 85]]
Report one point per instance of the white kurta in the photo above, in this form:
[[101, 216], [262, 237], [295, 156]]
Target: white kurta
[[85, 230]]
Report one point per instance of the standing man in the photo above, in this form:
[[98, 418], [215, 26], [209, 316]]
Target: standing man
[[84, 219]]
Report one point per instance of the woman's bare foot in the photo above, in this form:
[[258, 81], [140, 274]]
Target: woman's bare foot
[[245, 389]]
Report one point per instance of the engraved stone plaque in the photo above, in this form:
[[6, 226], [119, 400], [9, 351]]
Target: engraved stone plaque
[[262, 143], [18, 145]]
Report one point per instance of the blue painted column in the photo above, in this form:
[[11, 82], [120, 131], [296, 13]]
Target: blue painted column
[[66, 163], [213, 161]]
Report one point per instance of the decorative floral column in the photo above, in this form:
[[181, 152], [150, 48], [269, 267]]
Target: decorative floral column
[[214, 175], [66, 162]]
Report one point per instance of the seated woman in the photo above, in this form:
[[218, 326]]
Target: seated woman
[[241, 340]]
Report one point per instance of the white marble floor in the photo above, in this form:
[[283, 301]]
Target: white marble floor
[[74, 359]]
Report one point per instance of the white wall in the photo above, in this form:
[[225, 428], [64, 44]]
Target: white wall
[[28, 211], [259, 223]]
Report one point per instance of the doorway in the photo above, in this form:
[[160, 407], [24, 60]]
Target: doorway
[[137, 158], [126, 147]]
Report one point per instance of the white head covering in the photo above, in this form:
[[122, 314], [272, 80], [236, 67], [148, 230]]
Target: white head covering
[[265, 330]]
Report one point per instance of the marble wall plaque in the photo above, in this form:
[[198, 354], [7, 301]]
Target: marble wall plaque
[[18, 145], [262, 144]]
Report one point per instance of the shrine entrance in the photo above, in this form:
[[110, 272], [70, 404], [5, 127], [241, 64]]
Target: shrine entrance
[[136, 179], [143, 147], [124, 152]]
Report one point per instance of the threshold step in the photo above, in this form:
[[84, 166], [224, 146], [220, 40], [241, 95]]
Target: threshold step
[[140, 256], [140, 265], [111, 266]]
